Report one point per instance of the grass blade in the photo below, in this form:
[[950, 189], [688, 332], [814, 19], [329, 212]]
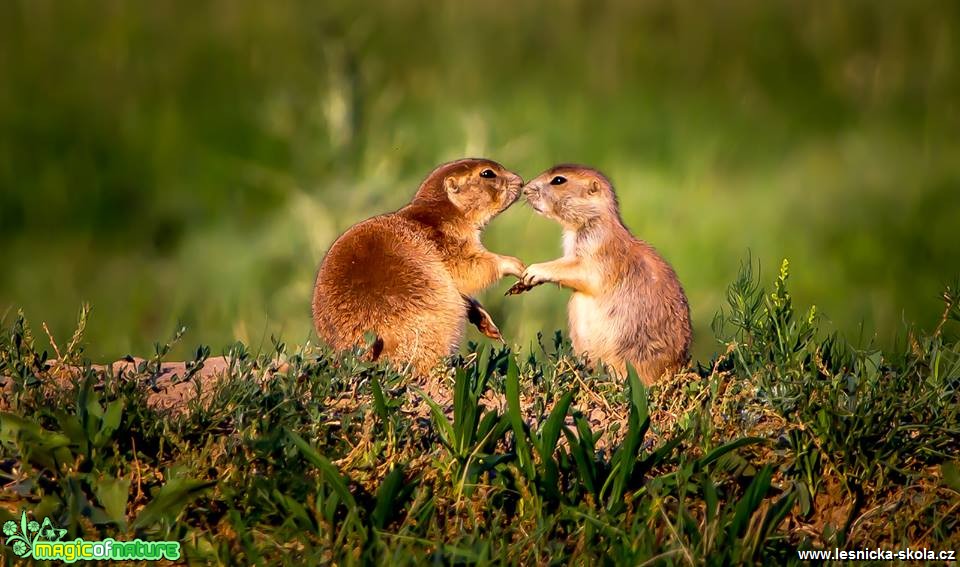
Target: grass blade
[[172, 498], [626, 456], [330, 473], [550, 433], [379, 402], [516, 418], [390, 497], [722, 450], [447, 434], [750, 501]]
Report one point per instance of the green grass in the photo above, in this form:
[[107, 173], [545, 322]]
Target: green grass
[[183, 164], [793, 438]]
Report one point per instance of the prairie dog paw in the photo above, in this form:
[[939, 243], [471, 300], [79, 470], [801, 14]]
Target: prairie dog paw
[[510, 266], [535, 274], [478, 316]]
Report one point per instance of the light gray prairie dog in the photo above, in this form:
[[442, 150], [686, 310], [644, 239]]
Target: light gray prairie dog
[[408, 275], [627, 304]]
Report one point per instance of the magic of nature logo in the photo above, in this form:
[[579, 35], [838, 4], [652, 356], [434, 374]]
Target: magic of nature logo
[[41, 541]]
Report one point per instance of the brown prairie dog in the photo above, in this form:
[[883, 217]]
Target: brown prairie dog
[[627, 304], [407, 275]]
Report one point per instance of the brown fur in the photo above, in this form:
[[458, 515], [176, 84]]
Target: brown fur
[[407, 275], [627, 305]]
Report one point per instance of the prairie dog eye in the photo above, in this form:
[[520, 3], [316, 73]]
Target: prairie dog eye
[[558, 180], [488, 174]]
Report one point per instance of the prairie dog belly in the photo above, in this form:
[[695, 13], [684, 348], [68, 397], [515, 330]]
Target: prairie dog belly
[[590, 329]]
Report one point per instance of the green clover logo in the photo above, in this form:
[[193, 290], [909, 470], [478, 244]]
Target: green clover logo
[[9, 528], [23, 537]]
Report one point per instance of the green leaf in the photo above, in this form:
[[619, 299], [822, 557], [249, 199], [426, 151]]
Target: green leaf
[[92, 403], [951, 474], [331, 475], [88, 407], [390, 497], [13, 426], [294, 510], [170, 500], [806, 504], [38, 446], [586, 435], [460, 407], [711, 457], [626, 456], [709, 496], [245, 535], [689, 525], [750, 501], [110, 423], [112, 495], [584, 458], [439, 419], [490, 421], [550, 433], [638, 393], [379, 402], [72, 428], [464, 413], [516, 418], [777, 512], [662, 453]]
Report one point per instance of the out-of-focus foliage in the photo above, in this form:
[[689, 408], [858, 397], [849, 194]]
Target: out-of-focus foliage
[[183, 162]]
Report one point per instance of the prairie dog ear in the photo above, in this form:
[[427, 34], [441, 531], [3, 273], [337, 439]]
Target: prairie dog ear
[[451, 185], [594, 187]]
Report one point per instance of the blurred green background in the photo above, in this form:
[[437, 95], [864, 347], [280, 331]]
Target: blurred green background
[[191, 161]]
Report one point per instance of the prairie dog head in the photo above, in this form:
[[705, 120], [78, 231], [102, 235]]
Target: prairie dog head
[[573, 195], [479, 189]]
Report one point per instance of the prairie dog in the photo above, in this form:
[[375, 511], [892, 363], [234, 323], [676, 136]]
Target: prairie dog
[[408, 275], [627, 304]]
